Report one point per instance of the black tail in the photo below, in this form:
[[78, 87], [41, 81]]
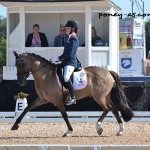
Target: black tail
[[119, 98]]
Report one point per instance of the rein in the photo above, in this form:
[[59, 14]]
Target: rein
[[37, 70]]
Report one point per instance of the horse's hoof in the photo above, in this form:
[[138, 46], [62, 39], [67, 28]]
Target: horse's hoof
[[119, 134], [67, 134], [99, 128], [121, 129], [15, 127], [99, 131]]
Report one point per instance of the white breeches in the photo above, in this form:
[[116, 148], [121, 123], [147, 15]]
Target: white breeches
[[68, 70]]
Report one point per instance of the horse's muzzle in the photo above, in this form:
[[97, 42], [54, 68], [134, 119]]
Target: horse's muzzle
[[21, 82]]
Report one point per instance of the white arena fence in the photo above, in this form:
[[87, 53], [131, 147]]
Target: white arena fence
[[78, 116], [9, 73], [75, 147]]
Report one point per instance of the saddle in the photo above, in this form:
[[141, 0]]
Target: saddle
[[61, 77]]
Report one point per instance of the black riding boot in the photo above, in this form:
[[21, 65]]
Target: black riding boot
[[71, 92]]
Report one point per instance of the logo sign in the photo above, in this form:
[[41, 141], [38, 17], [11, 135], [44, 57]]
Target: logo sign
[[126, 63], [130, 62]]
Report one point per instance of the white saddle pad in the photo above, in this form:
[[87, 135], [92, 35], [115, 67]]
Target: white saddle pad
[[79, 80]]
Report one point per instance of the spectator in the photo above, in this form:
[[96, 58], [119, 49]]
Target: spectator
[[96, 40], [36, 39], [149, 54], [61, 39]]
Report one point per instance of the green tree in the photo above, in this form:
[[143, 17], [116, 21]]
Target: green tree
[[147, 30], [2, 40]]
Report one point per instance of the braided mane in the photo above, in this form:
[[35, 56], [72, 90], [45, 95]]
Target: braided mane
[[41, 58]]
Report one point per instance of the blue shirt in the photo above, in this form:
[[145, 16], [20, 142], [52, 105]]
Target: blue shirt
[[70, 49]]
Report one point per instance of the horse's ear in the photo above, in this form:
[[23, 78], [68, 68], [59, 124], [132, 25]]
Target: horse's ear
[[16, 55]]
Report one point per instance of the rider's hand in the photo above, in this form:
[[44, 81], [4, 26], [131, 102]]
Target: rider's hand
[[54, 59]]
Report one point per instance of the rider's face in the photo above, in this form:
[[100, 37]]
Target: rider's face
[[68, 30]]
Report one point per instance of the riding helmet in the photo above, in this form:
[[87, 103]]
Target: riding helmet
[[72, 23]]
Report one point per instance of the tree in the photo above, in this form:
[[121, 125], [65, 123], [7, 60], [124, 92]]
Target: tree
[[147, 30], [2, 40]]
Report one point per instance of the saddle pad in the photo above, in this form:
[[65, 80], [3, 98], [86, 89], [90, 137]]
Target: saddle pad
[[79, 80]]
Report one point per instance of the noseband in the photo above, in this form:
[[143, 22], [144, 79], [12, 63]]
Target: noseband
[[24, 74]]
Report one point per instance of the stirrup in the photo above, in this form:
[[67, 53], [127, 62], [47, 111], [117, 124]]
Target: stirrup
[[71, 101]]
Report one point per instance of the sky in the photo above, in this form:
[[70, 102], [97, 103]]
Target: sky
[[125, 5]]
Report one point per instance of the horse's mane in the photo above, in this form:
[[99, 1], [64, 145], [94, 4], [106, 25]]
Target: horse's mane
[[41, 58]]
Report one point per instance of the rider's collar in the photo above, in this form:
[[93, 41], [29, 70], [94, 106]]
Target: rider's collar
[[71, 35]]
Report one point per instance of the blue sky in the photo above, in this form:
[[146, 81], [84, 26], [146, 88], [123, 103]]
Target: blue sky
[[125, 5]]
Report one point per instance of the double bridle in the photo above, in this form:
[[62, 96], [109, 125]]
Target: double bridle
[[28, 73]]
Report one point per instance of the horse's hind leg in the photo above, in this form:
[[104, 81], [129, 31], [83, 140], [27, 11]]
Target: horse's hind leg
[[116, 114], [65, 117], [33, 105], [105, 107], [99, 122]]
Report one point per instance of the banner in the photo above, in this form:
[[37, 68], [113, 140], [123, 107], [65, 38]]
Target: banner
[[130, 62], [138, 29], [122, 41]]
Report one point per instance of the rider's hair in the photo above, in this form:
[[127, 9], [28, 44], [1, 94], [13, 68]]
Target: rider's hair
[[74, 30]]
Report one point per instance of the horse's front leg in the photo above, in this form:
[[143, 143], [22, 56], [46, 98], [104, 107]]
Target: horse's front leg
[[65, 117], [33, 105]]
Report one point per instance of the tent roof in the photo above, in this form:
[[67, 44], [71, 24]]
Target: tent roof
[[5, 2]]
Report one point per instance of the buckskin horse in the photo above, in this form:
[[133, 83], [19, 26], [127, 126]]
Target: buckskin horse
[[104, 86]]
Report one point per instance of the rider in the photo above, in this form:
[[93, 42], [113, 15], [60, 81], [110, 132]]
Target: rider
[[69, 58]]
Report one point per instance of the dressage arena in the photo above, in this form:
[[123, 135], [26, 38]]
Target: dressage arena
[[136, 133]]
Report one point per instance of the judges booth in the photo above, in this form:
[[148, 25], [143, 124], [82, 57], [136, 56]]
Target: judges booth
[[21, 16]]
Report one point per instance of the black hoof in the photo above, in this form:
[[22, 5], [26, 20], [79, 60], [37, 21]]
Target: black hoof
[[67, 134], [15, 127], [100, 131]]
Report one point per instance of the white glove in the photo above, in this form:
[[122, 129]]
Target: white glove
[[54, 59]]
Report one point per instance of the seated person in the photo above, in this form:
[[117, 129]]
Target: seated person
[[61, 38], [96, 40], [36, 39]]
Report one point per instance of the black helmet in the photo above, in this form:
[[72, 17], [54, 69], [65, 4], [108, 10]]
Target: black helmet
[[72, 23]]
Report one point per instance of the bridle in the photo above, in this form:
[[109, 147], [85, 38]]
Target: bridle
[[27, 73]]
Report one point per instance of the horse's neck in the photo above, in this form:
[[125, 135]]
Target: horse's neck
[[39, 68]]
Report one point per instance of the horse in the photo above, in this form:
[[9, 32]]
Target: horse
[[104, 86], [147, 65]]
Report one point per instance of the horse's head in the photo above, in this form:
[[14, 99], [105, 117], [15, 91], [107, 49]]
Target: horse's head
[[22, 70]]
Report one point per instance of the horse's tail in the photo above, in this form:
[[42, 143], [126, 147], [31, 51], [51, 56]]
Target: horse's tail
[[119, 98]]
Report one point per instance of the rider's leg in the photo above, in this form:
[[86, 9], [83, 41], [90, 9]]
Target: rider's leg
[[68, 70]]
